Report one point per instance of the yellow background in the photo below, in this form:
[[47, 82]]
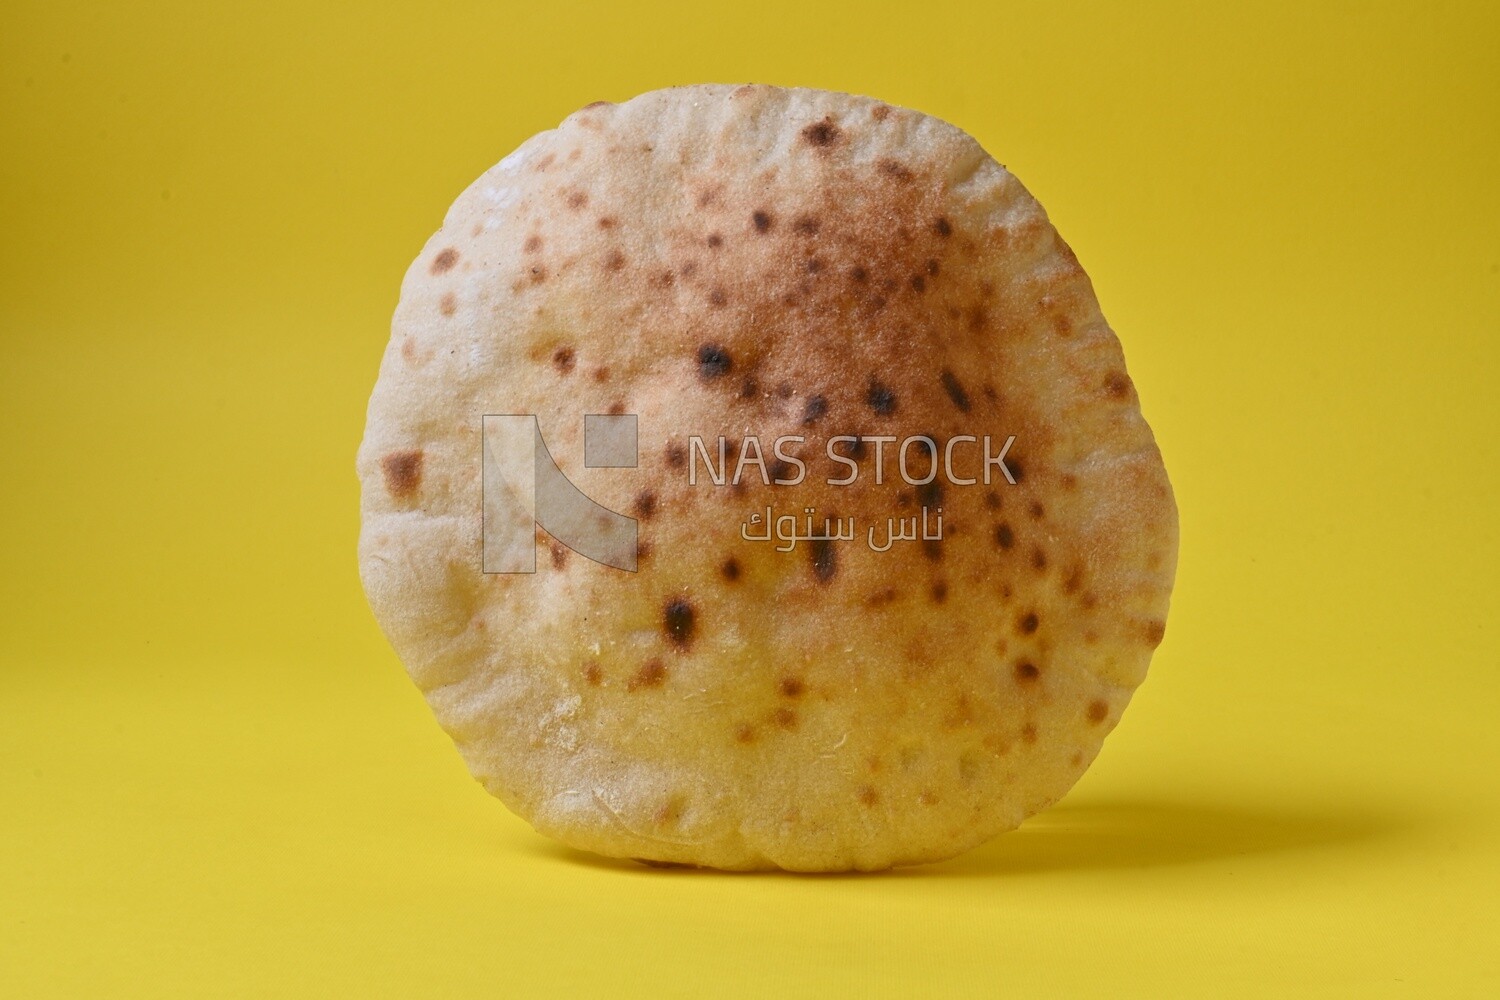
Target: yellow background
[[215, 780]]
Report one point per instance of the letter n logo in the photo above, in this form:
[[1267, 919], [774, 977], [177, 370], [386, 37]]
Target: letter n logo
[[523, 488]]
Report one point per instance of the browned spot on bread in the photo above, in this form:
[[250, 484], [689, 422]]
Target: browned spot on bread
[[403, 472], [1026, 672], [762, 221], [881, 597], [1028, 733], [1156, 631], [1036, 510], [892, 168], [744, 733], [642, 550], [822, 134], [677, 455], [729, 569], [880, 398], [644, 505], [598, 104], [928, 798], [615, 261], [814, 410], [608, 222], [653, 674], [792, 687], [1004, 536], [823, 558], [559, 554], [1098, 711], [593, 673], [679, 621], [601, 374], [713, 362], [868, 796], [563, 359], [714, 241], [448, 305], [444, 261], [880, 111], [785, 718], [942, 227], [532, 245], [577, 199], [717, 297], [939, 591], [1038, 558], [1028, 623], [807, 225], [955, 390], [1117, 384]]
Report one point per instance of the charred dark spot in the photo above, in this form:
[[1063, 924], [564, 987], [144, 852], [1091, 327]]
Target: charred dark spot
[[880, 398], [444, 261], [1098, 711], [823, 558], [714, 241], [713, 362], [644, 505], [1014, 465], [1026, 672], [822, 134], [792, 687], [652, 674], [762, 221], [942, 227], [563, 359], [807, 225], [955, 391], [816, 408], [932, 548], [1028, 623], [679, 621], [403, 472], [857, 448], [677, 455], [780, 471], [730, 569]]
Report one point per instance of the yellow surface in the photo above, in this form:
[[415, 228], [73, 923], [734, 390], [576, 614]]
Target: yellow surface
[[216, 781]]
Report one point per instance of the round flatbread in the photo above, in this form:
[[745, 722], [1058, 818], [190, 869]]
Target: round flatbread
[[856, 687]]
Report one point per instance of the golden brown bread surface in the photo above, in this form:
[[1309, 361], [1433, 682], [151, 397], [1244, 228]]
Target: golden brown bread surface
[[754, 262]]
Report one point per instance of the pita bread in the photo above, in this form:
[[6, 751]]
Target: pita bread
[[752, 262]]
